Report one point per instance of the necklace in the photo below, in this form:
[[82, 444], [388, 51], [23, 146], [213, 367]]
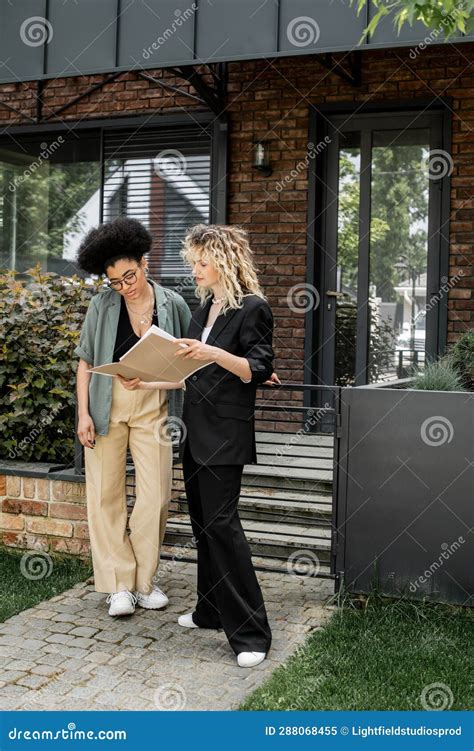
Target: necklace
[[217, 300], [145, 313]]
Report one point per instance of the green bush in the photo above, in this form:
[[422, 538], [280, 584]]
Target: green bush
[[40, 322], [381, 345], [462, 358], [439, 376]]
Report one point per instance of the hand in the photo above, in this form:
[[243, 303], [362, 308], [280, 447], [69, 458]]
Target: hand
[[197, 350], [272, 380], [86, 431], [131, 383]]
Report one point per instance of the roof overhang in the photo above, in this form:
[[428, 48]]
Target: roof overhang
[[49, 39]]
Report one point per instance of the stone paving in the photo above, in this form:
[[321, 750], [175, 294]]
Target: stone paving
[[67, 653]]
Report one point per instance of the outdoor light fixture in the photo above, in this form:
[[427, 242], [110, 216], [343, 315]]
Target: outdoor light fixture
[[261, 157]]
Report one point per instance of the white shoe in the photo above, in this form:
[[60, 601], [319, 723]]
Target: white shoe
[[121, 603], [187, 621], [154, 601], [250, 659]]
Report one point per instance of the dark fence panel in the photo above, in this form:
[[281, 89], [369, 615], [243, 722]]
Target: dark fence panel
[[404, 511]]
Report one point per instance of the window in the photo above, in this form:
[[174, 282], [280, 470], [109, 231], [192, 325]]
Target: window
[[55, 188], [49, 199]]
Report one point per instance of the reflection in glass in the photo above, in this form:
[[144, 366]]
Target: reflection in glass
[[347, 258], [49, 199], [398, 252]]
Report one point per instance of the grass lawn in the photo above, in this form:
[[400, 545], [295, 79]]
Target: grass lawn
[[19, 591], [382, 658]]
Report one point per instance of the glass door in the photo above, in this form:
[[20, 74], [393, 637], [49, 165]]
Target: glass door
[[381, 246]]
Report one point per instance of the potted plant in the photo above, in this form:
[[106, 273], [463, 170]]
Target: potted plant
[[405, 475]]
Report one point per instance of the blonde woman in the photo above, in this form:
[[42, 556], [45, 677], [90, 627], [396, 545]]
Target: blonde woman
[[116, 414], [233, 325]]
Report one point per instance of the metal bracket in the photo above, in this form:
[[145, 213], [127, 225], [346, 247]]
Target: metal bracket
[[213, 97], [76, 99], [353, 63]]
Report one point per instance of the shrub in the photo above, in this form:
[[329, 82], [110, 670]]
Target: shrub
[[439, 376], [462, 357], [40, 322], [381, 346]]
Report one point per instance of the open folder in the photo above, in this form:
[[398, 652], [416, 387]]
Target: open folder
[[152, 358]]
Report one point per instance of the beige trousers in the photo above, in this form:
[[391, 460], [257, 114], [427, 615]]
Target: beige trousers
[[121, 560]]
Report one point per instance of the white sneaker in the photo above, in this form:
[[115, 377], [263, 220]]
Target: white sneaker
[[250, 659], [154, 601], [121, 603], [187, 621]]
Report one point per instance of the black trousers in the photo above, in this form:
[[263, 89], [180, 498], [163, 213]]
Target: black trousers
[[229, 595]]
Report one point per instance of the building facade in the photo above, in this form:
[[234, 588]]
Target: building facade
[[360, 215]]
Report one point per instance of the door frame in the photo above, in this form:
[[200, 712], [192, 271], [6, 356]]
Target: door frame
[[321, 180]]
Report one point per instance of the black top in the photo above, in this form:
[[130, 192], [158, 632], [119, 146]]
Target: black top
[[126, 336], [218, 409]]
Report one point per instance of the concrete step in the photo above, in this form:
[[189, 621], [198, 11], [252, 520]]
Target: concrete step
[[285, 503], [287, 479], [300, 439], [175, 552], [272, 459], [277, 509], [266, 539], [289, 473], [277, 494]]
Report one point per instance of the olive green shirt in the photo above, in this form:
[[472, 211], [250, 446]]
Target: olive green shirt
[[97, 343]]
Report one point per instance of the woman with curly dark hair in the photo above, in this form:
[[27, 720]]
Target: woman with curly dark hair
[[116, 414]]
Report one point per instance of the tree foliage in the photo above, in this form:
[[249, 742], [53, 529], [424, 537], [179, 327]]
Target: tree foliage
[[448, 17]]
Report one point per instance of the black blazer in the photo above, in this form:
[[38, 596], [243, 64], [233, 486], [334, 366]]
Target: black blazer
[[218, 410]]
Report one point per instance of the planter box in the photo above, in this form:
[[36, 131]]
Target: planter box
[[404, 498]]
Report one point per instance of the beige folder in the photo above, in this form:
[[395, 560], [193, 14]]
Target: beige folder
[[152, 358]]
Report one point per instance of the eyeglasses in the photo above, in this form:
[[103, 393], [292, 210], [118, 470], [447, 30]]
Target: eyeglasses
[[129, 278]]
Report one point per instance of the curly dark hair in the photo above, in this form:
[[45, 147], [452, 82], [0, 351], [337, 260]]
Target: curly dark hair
[[121, 238]]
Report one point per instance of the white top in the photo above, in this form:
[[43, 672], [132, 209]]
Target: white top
[[205, 334]]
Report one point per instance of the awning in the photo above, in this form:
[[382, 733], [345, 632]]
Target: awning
[[43, 39]]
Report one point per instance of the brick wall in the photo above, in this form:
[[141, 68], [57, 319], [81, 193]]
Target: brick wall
[[42, 514], [271, 98], [51, 515]]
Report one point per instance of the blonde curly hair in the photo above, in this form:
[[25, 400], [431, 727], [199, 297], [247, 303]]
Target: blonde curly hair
[[227, 248]]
